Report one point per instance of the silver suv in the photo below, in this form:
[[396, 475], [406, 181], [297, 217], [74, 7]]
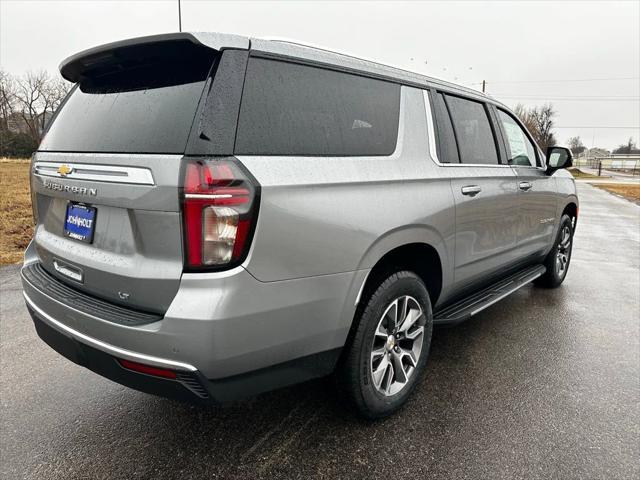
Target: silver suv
[[217, 216]]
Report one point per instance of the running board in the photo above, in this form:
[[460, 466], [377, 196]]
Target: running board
[[468, 307]]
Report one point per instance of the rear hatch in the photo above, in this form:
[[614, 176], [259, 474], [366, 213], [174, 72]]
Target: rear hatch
[[106, 177]]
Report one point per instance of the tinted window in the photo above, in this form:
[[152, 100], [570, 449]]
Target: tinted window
[[473, 131], [447, 149], [291, 109], [519, 148], [148, 109]]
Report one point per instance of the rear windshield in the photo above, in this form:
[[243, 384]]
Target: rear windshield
[[145, 109]]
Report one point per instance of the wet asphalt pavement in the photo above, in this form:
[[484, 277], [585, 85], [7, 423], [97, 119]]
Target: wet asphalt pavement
[[545, 384]]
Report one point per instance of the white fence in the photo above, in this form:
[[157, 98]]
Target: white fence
[[626, 163]]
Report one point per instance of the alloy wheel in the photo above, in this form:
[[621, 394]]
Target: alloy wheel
[[397, 345], [564, 251]]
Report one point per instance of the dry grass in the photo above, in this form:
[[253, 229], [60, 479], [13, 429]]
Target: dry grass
[[628, 191], [16, 221]]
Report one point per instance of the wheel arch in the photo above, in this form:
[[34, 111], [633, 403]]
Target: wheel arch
[[396, 248], [571, 209], [402, 248], [402, 257], [420, 258]]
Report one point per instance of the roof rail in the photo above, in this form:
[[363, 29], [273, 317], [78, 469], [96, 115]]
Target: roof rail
[[375, 62], [327, 49]]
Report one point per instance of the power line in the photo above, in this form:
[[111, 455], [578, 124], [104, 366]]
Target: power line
[[599, 127], [621, 97], [579, 99], [561, 81]]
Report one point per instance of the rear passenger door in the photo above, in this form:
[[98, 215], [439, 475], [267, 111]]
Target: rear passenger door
[[536, 190], [484, 190]]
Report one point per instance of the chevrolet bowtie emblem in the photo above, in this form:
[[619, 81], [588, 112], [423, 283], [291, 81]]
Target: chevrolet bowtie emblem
[[64, 170]]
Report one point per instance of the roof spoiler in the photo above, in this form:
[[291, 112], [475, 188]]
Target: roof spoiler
[[117, 55]]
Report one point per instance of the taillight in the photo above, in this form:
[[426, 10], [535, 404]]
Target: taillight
[[219, 211]]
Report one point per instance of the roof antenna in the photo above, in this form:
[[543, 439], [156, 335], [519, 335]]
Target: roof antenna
[[179, 17]]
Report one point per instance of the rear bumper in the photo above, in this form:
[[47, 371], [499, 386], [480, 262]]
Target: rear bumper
[[81, 339], [228, 335], [189, 385]]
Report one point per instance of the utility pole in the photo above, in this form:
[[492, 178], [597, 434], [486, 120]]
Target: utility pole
[[484, 84], [179, 17]]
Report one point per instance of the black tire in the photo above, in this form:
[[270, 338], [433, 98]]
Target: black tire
[[556, 268], [355, 374]]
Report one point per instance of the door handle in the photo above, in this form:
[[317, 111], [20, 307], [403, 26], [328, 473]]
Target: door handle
[[471, 190], [525, 186]]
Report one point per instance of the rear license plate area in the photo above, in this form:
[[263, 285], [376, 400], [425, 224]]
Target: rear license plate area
[[79, 222]]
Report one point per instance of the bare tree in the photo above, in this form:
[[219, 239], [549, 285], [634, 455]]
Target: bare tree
[[539, 121], [37, 97], [55, 92], [576, 145], [526, 117], [628, 148], [542, 118], [523, 114], [29, 96], [7, 99]]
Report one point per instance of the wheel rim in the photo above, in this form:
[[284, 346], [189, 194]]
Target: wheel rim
[[397, 345], [564, 251]]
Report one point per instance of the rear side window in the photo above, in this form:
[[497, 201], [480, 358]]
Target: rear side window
[[145, 109], [476, 143], [292, 109], [520, 149], [447, 151]]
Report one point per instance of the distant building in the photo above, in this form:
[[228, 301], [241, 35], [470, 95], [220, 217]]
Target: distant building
[[596, 152], [17, 124]]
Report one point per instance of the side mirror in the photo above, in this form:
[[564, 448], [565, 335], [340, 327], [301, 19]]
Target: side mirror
[[558, 157]]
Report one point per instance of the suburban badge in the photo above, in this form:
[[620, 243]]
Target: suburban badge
[[69, 188]]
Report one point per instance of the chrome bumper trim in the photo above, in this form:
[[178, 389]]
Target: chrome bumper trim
[[105, 347]]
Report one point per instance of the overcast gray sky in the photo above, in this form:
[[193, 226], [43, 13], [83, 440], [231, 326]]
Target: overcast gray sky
[[584, 57]]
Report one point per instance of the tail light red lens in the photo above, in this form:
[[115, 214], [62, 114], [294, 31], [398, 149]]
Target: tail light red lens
[[219, 211]]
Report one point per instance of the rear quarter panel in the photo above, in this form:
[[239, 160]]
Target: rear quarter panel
[[566, 193], [566, 188], [325, 215]]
